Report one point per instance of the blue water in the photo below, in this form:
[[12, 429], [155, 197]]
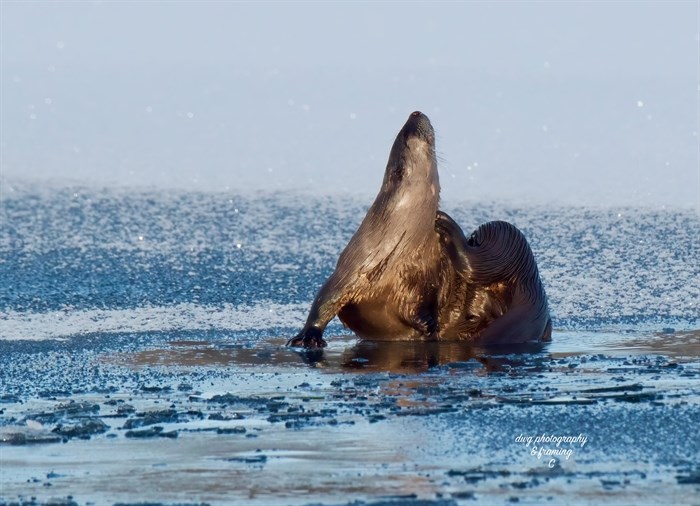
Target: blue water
[[101, 252], [155, 299]]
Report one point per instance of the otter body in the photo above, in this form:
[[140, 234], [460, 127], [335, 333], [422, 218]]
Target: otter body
[[410, 273]]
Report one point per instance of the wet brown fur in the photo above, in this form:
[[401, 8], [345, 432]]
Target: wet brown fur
[[410, 273]]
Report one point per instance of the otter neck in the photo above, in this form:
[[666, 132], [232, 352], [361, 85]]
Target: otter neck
[[404, 211], [401, 220]]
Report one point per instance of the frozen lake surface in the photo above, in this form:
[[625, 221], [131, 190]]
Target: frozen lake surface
[[197, 261], [146, 329]]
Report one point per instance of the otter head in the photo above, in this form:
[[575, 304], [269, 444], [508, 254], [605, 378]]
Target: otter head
[[411, 176], [405, 208]]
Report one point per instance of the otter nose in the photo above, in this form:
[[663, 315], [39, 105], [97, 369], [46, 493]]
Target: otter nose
[[419, 125]]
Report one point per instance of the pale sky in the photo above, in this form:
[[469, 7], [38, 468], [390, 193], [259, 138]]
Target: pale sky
[[582, 103]]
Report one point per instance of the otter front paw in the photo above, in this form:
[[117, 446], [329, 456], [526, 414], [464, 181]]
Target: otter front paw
[[308, 338]]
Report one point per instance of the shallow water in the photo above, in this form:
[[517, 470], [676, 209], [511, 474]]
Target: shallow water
[[146, 329]]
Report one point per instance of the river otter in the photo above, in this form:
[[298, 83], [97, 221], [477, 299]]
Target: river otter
[[409, 272]]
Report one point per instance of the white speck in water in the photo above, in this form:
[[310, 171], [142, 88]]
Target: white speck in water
[[190, 115], [547, 65], [239, 245], [235, 210], [640, 103], [60, 44], [650, 117], [48, 101], [353, 115], [469, 167], [544, 128], [149, 109], [140, 238], [306, 107], [269, 169], [32, 116]]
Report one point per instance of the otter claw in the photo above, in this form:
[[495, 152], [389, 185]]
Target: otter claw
[[308, 338]]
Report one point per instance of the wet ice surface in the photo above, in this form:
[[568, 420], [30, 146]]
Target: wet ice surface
[[146, 329]]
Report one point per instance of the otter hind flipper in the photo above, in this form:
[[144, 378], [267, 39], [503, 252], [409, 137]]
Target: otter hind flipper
[[501, 261], [494, 252], [498, 252]]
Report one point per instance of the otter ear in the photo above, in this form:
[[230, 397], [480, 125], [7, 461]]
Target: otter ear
[[398, 172]]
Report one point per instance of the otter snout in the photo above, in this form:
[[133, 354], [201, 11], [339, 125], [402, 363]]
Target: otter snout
[[412, 157], [418, 125]]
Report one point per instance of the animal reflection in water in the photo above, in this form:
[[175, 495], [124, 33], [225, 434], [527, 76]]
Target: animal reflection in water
[[421, 356], [370, 356]]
